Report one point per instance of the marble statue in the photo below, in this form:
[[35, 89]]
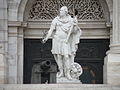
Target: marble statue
[[65, 34]]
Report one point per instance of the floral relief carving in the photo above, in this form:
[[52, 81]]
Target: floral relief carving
[[48, 9]]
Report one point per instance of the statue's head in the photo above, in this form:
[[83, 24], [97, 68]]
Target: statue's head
[[63, 11]]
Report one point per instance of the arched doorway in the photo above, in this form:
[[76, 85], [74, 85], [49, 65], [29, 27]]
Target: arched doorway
[[93, 17]]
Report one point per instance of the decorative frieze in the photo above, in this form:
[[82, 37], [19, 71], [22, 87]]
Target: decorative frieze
[[48, 9]]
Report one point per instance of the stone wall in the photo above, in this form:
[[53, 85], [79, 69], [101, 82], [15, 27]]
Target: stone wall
[[3, 41]]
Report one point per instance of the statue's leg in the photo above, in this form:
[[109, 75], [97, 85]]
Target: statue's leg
[[67, 64], [60, 65], [72, 59], [55, 57]]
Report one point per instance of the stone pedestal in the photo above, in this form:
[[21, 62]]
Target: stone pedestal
[[58, 87], [64, 80]]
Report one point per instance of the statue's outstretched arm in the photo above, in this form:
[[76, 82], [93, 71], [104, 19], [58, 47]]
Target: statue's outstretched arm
[[49, 34]]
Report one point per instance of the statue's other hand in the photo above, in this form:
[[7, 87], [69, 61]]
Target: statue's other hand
[[44, 40]]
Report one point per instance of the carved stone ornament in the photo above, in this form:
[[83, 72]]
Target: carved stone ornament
[[76, 70], [48, 9]]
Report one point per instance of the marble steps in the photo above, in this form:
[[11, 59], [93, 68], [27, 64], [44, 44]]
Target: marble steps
[[58, 87]]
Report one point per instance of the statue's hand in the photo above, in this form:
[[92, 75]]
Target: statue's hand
[[44, 40]]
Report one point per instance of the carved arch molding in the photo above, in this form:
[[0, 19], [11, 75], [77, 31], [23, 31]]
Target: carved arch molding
[[48, 9]]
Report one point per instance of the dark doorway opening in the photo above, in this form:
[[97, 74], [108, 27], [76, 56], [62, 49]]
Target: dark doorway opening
[[90, 55]]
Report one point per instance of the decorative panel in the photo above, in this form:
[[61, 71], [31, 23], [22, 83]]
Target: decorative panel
[[48, 9]]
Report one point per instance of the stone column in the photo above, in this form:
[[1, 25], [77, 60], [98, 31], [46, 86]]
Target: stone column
[[112, 60], [13, 54], [15, 51], [3, 41], [15, 44], [20, 55]]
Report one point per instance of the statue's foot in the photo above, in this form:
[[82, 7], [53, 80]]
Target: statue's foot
[[60, 74], [69, 77]]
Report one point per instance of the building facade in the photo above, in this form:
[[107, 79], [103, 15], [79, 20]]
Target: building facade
[[23, 21]]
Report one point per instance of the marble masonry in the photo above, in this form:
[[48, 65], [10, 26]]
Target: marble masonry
[[31, 19]]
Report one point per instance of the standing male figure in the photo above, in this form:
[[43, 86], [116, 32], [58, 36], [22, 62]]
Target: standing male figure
[[65, 38]]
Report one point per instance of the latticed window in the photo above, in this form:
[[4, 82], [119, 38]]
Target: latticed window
[[48, 9]]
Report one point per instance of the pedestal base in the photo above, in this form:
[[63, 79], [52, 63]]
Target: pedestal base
[[112, 69], [64, 80]]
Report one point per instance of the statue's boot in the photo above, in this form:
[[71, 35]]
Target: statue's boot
[[60, 74], [68, 75]]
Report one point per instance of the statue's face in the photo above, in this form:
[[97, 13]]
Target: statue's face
[[62, 12]]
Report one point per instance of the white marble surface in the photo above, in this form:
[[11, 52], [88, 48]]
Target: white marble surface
[[59, 87], [1, 69], [65, 34], [12, 55], [64, 80], [3, 41], [112, 69]]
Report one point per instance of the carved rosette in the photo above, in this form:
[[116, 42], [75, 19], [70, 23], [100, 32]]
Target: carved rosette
[[48, 9]]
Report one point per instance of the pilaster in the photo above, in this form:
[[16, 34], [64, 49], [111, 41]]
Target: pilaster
[[12, 54], [112, 60]]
